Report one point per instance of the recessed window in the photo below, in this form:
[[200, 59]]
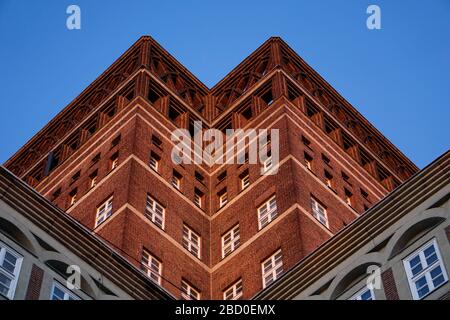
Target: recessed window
[[76, 176], [364, 194], [247, 113], [234, 292], [319, 212], [221, 177], [272, 269], [199, 177], [364, 294], [173, 114], [328, 179], [191, 241], [308, 161], [60, 292], [115, 142], [198, 198], [188, 292], [155, 212], [56, 194], [348, 197], [156, 141], [306, 141], [96, 158], [326, 159], [73, 196], [267, 212], [114, 161], [245, 180], [154, 161], [176, 180], [425, 270], [267, 97], [223, 198], [104, 211], [267, 163], [93, 179], [10, 264], [152, 266], [230, 241], [346, 178]]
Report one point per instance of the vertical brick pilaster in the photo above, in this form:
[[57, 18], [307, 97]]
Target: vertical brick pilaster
[[35, 283], [390, 288]]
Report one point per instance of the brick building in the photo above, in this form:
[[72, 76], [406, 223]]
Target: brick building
[[219, 232]]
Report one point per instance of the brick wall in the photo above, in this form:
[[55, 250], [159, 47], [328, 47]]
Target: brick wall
[[35, 283]]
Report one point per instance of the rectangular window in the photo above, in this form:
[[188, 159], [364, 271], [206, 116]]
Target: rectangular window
[[223, 198], [364, 294], [234, 292], [245, 180], [328, 179], [198, 198], [104, 211], [348, 197], [114, 161], [152, 266], [176, 180], [230, 241], [267, 163], [272, 269], [115, 142], [346, 178], [326, 159], [93, 179], [308, 161], [267, 212], [154, 161], [319, 212], [425, 270], [10, 263], [73, 196], [191, 241], [156, 141], [155, 212], [60, 292], [188, 292], [306, 141]]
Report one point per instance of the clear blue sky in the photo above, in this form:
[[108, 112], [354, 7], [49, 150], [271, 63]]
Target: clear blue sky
[[397, 77]]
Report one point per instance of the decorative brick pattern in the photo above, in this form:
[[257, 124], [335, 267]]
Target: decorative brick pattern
[[390, 288], [35, 283]]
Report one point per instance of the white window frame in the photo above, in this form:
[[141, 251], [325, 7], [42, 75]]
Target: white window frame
[[103, 213], [154, 210], [223, 199], [152, 266], [114, 163], [358, 295], [93, 181], [233, 292], [153, 163], [14, 276], [190, 237], [228, 246], [198, 199], [426, 269], [73, 198], [176, 182], [273, 270], [245, 182], [188, 292], [267, 210], [267, 165], [67, 293], [316, 208]]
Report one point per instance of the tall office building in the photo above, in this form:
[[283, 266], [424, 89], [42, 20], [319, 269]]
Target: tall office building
[[225, 231]]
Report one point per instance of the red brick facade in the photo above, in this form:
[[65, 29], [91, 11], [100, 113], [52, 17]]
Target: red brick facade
[[154, 96], [390, 288], [35, 283]]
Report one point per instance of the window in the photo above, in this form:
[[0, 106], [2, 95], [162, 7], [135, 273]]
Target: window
[[176, 180], [267, 163], [93, 179], [267, 212], [306, 141], [115, 141], [198, 198], [328, 179], [364, 294], [114, 161], [346, 178], [267, 97], [10, 263], [245, 180], [326, 159], [56, 194], [272, 269], [191, 241], [348, 197], [188, 292], [223, 198], [308, 161], [155, 212], [234, 292], [59, 292], [73, 196], [230, 241], [104, 211], [154, 161], [96, 158], [199, 177], [76, 176], [425, 270], [156, 141], [221, 177], [319, 212], [152, 266], [364, 194]]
